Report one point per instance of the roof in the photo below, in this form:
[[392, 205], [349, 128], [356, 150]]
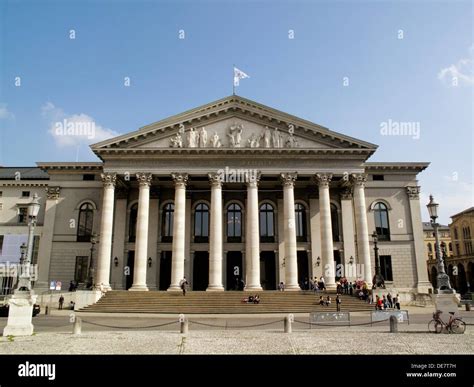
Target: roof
[[46, 166], [396, 166], [467, 211], [23, 173], [428, 227], [232, 103]]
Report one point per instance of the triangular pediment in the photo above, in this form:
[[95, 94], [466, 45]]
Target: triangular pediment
[[233, 123]]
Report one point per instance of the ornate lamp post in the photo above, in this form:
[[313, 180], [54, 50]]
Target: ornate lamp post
[[24, 282], [444, 286], [91, 273], [21, 303], [378, 280]]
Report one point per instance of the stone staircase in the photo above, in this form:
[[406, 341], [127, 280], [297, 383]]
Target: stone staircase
[[121, 301]]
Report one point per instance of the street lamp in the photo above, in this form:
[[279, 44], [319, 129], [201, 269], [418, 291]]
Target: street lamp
[[444, 286], [378, 280], [24, 282], [90, 276]]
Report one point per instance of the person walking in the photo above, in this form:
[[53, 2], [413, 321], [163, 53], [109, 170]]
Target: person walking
[[61, 302], [338, 303], [183, 283], [396, 301]]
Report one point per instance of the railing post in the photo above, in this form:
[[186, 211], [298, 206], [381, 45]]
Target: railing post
[[77, 327], [183, 323], [393, 324]]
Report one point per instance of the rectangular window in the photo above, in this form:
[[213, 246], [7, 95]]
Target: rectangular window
[[378, 177], [7, 286], [458, 250], [25, 194], [1, 244], [82, 263], [1, 194], [23, 215], [34, 256], [88, 177], [386, 267]]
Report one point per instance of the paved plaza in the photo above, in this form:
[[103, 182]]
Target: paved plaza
[[233, 334]]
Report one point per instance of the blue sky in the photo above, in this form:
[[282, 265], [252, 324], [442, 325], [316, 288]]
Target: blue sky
[[401, 60]]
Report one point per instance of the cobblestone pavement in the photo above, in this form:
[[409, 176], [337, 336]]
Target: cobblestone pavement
[[412, 339]]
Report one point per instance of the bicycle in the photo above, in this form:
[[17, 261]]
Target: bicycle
[[454, 325]]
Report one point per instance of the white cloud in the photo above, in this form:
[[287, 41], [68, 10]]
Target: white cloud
[[73, 129], [453, 197], [4, 113], [460, 73]]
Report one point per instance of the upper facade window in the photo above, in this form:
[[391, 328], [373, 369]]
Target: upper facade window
[[23, 215], [234, 223], [85, 223], [300, 220], [382, 227], [201, 223], [167, 223], [267, 223]]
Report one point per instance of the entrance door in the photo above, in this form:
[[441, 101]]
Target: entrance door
[[338, 269], [165, 270], [268, 270], [200, 270], [129, 272], [234, 270], [303, 269]]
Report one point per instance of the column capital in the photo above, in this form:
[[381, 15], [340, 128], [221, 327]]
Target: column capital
[[52, 193], [253, 179], [109, 179], [346, 194], [288, 179], [413, 192], [180, 179], [144, 179], [215, 179], [323, 179], [359, 179]]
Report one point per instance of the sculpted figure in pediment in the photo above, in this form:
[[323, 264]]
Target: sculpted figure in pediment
[[203, 137], [235, 135], [192, 138]]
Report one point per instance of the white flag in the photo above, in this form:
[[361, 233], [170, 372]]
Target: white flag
[[238, 75]]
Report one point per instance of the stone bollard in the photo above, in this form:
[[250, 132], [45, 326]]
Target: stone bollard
[[77, 326], [468, 307], [393, 324], [183, 323], [287, 324]]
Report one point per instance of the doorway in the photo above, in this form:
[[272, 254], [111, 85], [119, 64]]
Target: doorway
[[200, 270], [234, 270], [303, 269], [165, 270], [338, 268], [267, 270], [129, 271]]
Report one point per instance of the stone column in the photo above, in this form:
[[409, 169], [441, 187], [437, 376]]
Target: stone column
[[118, 246], [327, 247], [252, 238], [363, 248], [423, 284], [177, 264], [291, 262], [141, 240], [106, 228], [46, 240], [348, 234], [215, 237], [315, 229]]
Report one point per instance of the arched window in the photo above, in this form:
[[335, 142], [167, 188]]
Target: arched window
[[201, 223], [381, 221], [335, 223], [430, 250], [167, 223], [300, 220], [450, 247], [132, 223], [267, 223], [86, 220], [234, 223]]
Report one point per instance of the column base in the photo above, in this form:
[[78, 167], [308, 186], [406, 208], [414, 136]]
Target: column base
[[174, 288], [138, 288], [215, 289], [331, 286], [424, 287], [292, 288], [252, 288], [103, 287]]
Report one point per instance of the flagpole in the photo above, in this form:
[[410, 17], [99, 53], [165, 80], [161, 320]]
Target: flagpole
[[233, 79]]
